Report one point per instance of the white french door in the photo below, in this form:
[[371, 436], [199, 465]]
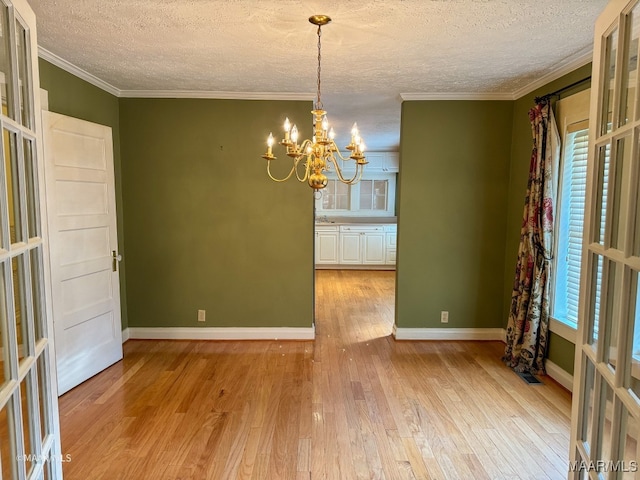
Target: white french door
[[29, 431], [606, 407]]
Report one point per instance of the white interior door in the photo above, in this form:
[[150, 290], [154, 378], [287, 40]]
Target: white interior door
[[606, 406], [83, 245]]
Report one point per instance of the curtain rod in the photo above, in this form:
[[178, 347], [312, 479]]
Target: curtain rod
[[560, 90]]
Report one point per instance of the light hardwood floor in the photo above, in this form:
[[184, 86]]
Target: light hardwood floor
[[352, 404]]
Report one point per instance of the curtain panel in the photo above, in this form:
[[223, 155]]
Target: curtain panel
[[528, 323]]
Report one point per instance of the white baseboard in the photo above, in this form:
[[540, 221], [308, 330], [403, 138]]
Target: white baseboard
[[561, 376], [448, 333], [221, 333], [125, 335]]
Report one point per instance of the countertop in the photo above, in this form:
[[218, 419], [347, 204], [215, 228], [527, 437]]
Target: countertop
[[326, 220]]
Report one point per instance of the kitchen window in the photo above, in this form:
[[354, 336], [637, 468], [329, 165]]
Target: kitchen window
[[373, 196]]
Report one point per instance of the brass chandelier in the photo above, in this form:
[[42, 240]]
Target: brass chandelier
[[321, 151]]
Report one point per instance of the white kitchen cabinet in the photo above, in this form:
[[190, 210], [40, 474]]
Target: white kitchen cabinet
[[354, 245], [386, 162], [350, 248], [391, 245], [327, 245], [391, 162], [362, 245], [373, 248]]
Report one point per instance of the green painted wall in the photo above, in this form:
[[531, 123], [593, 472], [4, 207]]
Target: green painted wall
[[452, 198], [69, 95], [205, 228], [561, 351]]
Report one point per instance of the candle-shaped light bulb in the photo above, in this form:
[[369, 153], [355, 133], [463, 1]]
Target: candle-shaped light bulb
[[332, 133], [325, 124], [287, 125], [362, 146], [270, 140], [354, 130], [294, 134]]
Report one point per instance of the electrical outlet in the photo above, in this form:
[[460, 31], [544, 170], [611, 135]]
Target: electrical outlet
[[202, 315], [444, 317]]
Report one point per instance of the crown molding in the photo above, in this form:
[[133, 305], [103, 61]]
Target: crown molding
[[107, 87], [77, 71], [581, 61], [456, 96], [202, 94]]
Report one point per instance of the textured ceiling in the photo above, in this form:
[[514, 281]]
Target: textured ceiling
[[371, 52]]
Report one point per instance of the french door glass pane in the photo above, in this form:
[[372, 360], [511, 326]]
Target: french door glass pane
[[587, 409], [611, 46], [5, 64], [29, 449], [43, 389], [629, 76], [611, 314], [19, 297], [604, 154], [632, 377], [13, 186], [635, 204], [605, 421], [24, 81], [594, 310], [628, 444], [7, 443], [31, 174], [621, 172], [37, 297], [4, 325]]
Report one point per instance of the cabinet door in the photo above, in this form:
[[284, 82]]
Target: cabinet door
[[376, 161], [350, 248], [392, 162], [327, 248], [391, 257], [373, 248]]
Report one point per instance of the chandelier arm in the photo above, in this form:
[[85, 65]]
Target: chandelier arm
[[293, 169], [306, 170], [336, 150], [356, 177]]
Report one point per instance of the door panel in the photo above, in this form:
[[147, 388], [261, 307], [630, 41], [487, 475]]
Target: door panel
[[606, 406], [30, 440], [82, 222]]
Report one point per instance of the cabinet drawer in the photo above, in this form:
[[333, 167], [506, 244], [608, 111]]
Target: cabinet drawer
[[361, 229], [327, 228]]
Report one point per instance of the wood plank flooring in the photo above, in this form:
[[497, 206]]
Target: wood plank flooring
[[353, 404]]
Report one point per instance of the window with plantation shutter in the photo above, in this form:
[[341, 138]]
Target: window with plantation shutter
[[570, 220]]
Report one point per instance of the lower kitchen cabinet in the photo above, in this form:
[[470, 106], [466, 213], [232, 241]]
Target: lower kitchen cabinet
[[353, 245]]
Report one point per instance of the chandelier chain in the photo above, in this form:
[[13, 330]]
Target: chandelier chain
[[319, 101]]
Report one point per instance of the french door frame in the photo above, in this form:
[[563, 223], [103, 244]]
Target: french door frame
[[30, 443], [606, 406]]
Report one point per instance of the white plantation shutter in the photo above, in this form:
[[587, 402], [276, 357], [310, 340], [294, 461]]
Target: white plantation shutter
[[571, 226], [574, 190]]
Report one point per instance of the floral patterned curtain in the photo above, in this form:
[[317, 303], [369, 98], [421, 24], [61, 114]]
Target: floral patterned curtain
[[528, 324]]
